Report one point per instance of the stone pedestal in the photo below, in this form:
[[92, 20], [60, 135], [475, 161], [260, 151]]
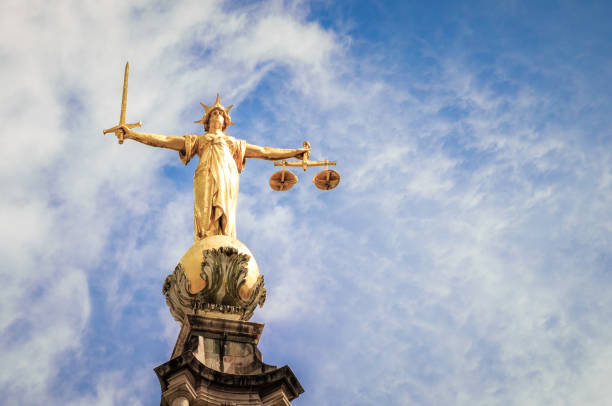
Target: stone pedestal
[[216, 362]]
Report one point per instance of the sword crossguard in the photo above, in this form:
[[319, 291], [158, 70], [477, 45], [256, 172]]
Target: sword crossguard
[[119, 131]]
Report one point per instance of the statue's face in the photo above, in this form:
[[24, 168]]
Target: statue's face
[[216, 120]]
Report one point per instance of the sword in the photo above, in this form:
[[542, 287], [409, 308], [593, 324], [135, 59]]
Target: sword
[[117, 129]]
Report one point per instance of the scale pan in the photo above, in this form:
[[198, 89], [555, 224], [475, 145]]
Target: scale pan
[[327, 179], [282, 180]]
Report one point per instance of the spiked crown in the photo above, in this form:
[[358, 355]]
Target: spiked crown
[[216, 106]]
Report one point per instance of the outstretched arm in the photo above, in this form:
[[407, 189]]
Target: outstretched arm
[[273, 154], [155, 140]]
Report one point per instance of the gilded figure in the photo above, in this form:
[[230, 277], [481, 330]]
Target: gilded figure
[[221, 159]]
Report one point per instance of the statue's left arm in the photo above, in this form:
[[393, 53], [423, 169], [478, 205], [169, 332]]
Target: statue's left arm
[[273, 154]]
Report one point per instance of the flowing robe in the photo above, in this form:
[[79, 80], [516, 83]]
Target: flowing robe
[[215, 182]]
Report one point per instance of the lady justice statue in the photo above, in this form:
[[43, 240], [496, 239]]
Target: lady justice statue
[[216, 178], [218, 275]]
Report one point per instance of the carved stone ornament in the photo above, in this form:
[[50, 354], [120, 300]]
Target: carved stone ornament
[[216, 362], [225, 294]]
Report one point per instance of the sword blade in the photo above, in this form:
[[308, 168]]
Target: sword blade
[[124, 97]]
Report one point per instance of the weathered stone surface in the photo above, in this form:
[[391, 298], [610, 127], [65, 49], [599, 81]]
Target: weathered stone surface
[[217, 362], [180, 401]]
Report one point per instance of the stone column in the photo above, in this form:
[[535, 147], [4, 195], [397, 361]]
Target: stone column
[[216, 362]]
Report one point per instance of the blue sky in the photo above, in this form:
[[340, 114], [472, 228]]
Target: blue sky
[[464, 259]]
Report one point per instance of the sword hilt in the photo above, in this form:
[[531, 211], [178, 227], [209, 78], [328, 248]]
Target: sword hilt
[[119, 131]]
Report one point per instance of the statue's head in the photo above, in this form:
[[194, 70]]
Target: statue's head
[[215, 111]]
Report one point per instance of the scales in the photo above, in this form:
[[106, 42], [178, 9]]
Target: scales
[[284, 179]]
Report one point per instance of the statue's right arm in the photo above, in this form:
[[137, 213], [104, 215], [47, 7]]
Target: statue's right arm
[[156, 140]]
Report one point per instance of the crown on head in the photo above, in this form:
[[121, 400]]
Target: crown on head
[[216, 106]]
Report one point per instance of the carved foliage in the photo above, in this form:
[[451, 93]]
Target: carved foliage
[[224, 270], [177, 290]]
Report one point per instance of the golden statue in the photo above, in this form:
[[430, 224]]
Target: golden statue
[[216, 178], [218, 274]]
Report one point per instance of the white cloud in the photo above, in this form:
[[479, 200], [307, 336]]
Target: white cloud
[[45, 318], [116, 388]]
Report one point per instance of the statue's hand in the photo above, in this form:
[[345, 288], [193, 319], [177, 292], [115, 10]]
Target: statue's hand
[[303, 153], [122, 132]]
